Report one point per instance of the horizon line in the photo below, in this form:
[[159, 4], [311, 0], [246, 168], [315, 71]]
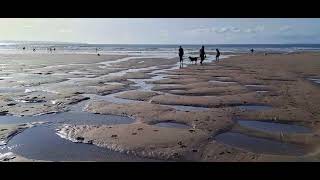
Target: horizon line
[[89, 43]]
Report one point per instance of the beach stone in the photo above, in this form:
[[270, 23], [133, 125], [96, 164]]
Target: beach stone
[[80, 138]]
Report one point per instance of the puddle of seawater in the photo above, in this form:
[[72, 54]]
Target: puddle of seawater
[[43, 143], [222, 82], [255, 85], [114, 83], [110, 98], [273, 126], [254, 107], [141, 83], [70, 117], [259, 145], [262, 91], [5, 77], [121, 73], [171, 124], [109, 63], [315, 80], [10, 89], [223, 78], [169, 85]]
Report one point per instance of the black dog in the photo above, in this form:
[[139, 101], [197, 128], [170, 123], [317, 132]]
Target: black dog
[[193, 59]]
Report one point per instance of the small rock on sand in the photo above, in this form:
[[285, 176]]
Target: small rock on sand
[[79, 138]]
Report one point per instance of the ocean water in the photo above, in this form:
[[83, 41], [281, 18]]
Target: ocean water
[[149, 50]]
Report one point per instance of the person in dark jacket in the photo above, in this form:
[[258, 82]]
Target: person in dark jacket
[[181, 53], [202, 54], [217, 55]]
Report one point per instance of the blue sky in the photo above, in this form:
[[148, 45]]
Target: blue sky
[[163, 31]]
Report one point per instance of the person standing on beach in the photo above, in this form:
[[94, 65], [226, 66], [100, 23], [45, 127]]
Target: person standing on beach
[[252, 51], [218, 55], [181, 53], [202, 54], [24, 48]]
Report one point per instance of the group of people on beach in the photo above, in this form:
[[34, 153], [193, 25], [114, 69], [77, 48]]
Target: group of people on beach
[[202, 55], [34, 49]]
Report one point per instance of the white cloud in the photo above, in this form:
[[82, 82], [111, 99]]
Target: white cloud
[[65, 30], [27, 26], [255, 29], [224, 30], [285, 28], [234, 29], [200, 30]]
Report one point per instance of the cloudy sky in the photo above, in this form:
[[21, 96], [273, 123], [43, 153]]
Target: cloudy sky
[[162, 31]]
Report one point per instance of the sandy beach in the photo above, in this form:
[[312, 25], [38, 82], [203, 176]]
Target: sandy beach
[[78, 107]]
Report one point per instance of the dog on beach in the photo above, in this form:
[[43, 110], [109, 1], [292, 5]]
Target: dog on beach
[[193, 59]]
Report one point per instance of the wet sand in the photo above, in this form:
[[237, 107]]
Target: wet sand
[[179, 114]]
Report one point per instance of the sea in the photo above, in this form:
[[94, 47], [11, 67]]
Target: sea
[[161, 50]]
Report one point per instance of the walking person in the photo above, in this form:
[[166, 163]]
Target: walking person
[[181, 53], [202, 55], [218, 55]]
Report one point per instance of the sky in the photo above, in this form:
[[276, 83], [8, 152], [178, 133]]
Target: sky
[[162, 30]]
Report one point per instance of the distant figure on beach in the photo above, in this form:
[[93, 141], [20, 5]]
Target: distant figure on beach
[[96, 50], [252, 51], [98, 54], [181, 53], [50, 50], [202, 54], [34, 49], [24, 48], [218, 55], [54, 49]]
